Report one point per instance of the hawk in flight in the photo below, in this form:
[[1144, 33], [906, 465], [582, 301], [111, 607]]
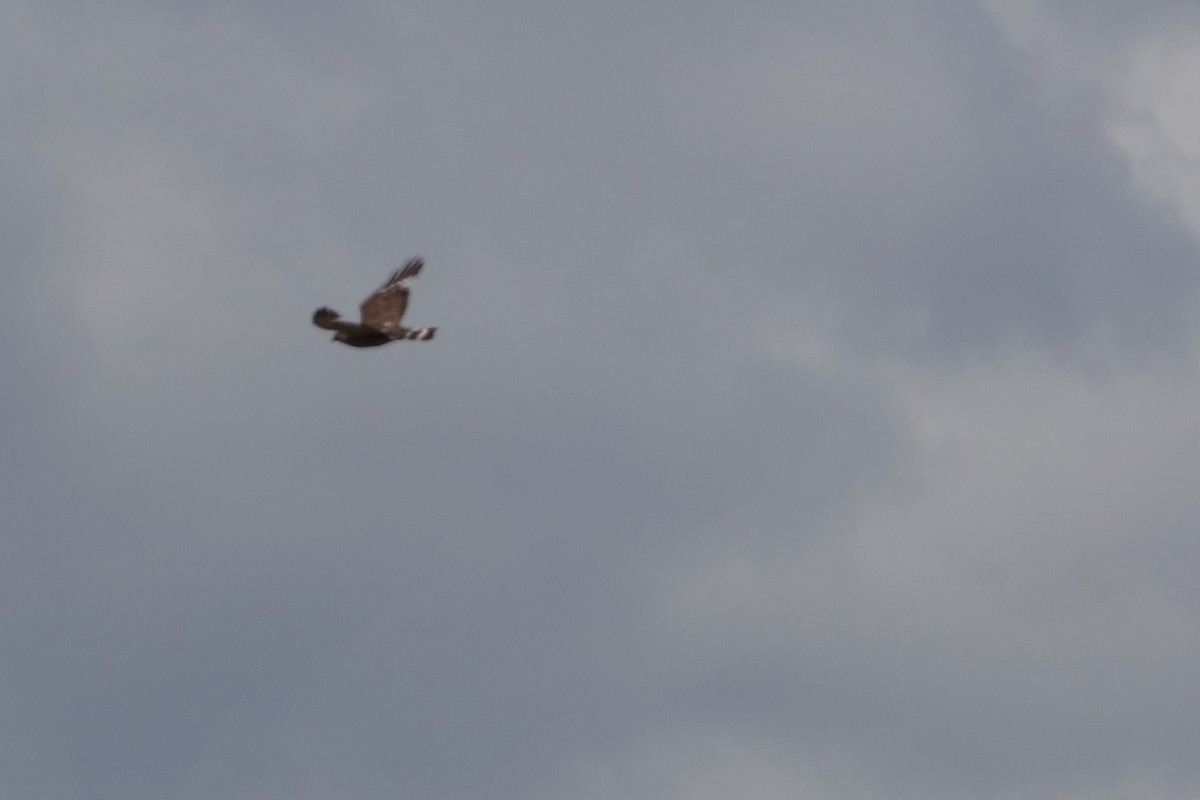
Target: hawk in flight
[[381, 313]]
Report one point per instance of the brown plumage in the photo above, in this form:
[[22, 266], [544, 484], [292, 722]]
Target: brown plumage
[[380, 313]]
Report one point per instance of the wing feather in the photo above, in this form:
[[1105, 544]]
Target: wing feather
[[331, 320], [384, 309]]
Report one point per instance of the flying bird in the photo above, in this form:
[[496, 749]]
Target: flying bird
[[381, 313]]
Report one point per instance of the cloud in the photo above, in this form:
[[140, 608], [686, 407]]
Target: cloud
[[810, 411], [705, 764], [1154, 124]]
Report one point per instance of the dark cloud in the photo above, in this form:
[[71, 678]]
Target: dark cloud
[[807, 415]]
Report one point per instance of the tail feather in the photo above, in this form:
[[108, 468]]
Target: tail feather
[[420, 334]]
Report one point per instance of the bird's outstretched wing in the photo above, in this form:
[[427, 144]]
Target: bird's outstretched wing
[[331, 320], [384, 309]]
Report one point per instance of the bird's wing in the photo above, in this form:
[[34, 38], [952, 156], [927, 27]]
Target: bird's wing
[[330, 320], [384, 309]]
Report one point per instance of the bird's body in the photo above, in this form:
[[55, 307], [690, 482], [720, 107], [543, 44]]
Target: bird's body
[[381, 314]]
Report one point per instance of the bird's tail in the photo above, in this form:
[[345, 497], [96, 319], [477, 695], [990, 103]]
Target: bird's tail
[[420, 334]]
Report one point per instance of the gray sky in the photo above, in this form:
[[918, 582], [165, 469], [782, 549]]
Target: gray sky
[[814, 411]]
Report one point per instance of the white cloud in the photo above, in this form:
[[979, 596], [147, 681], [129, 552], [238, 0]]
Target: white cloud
[[1072, 51], [1156, 121], [1037, 556], [1145, 81]]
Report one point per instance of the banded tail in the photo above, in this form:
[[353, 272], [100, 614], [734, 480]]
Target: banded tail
[[420, 334]]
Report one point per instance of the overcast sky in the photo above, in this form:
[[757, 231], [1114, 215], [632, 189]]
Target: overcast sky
[[814, 413]]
